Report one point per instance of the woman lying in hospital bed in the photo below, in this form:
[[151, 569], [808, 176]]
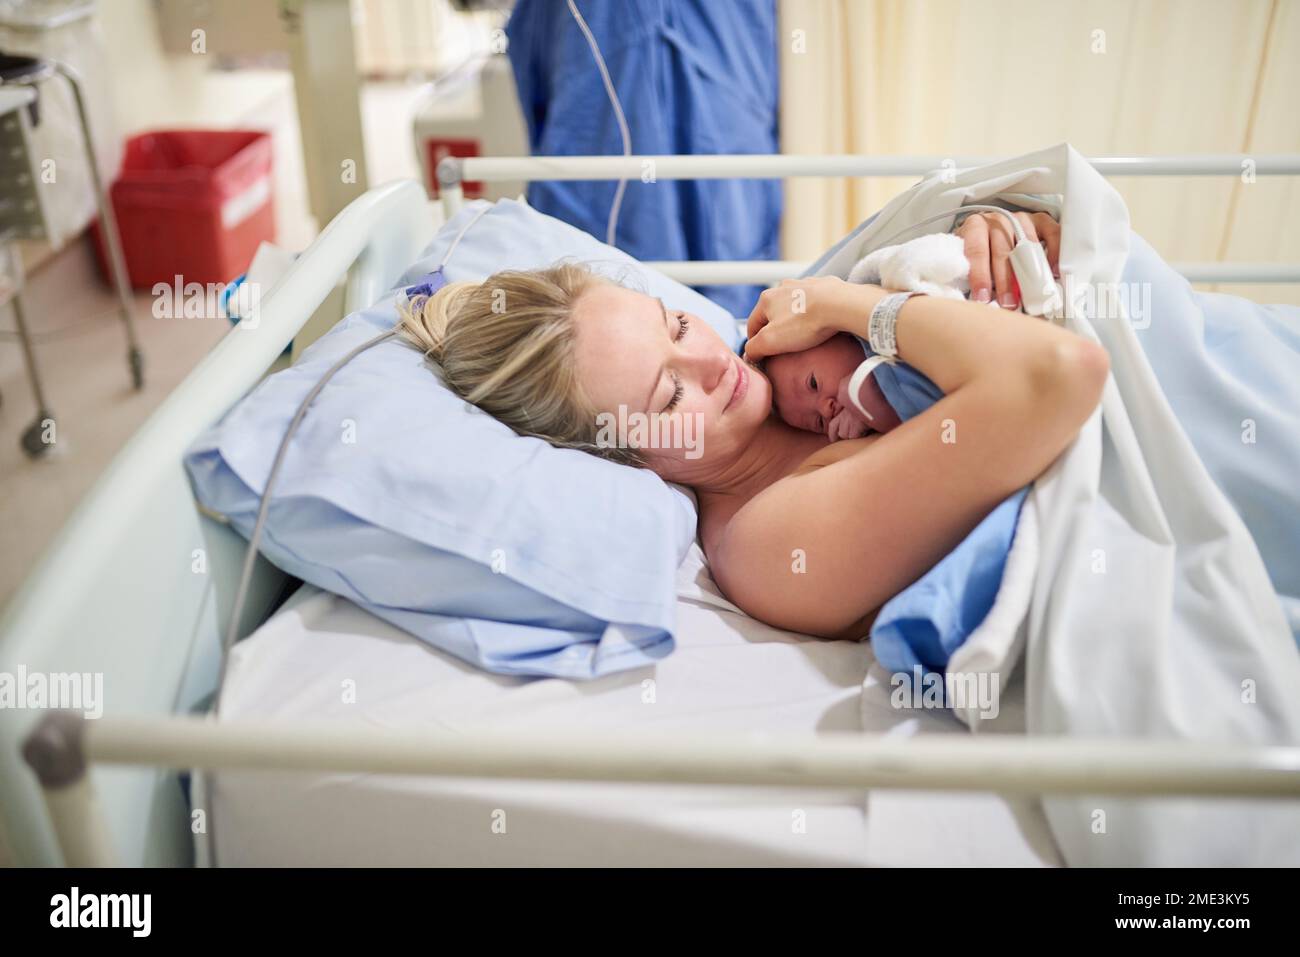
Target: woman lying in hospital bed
[[1143, 581], [869, 515]]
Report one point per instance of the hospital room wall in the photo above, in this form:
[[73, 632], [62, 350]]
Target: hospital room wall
[[999, 77], [153, 87]]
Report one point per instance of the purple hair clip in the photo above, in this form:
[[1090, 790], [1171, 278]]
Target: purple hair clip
[[436, 280]]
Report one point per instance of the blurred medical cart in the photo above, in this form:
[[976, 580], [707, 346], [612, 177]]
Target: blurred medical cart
[[23, 215]]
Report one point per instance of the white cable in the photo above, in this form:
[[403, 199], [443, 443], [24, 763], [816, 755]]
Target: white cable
[[1015, 224], [612, 225], [464, 229], [264, 506], [1039, 293]]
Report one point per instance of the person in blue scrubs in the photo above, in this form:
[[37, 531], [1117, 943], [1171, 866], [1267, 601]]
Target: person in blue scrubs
[[694, 77]]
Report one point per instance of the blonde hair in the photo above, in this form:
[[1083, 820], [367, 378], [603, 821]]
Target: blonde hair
[[507, 346]]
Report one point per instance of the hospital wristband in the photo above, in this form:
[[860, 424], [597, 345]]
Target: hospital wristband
[[880, 327]]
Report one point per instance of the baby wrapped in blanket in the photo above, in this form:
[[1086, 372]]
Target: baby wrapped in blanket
[[830, 389], [835, 389], [844, 391]]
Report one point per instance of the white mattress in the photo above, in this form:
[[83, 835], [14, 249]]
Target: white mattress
[[321, 658]]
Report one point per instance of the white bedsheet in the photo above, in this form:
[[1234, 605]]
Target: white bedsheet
[[1149, 613], [322, 658]]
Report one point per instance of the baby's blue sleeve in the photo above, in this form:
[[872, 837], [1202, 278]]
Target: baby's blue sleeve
[[907, 390]]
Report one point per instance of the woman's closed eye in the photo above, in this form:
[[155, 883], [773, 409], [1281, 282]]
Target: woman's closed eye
[[678, 392], [683, 323]]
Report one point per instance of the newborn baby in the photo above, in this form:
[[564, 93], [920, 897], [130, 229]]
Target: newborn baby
[[810, 390]]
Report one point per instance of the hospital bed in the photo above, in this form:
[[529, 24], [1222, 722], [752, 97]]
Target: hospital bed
[[139, 584]]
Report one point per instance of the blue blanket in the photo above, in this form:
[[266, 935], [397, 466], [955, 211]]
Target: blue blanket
[[1231, 371]]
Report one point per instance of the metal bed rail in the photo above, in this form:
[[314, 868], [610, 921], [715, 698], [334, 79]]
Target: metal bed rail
[[95, 601], [65, 745], [742, 272], [452, 171]]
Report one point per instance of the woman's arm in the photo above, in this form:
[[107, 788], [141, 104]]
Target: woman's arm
[[870, 523]]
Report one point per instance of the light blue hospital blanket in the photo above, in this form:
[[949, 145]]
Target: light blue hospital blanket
[[1231, 371]]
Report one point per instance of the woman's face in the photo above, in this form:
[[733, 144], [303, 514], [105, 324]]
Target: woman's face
[[670, 374]]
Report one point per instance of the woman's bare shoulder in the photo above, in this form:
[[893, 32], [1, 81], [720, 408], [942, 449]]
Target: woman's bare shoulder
[[748, 542], [829, 455], [742, 516]]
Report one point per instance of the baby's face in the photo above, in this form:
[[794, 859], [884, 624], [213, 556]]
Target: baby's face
[[806, 385]]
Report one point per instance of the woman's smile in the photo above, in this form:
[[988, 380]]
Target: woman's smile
[[741, 387]]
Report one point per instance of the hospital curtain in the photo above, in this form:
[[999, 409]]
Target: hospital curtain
[[999, 77]]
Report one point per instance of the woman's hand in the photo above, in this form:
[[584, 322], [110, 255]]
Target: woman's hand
[[802, 313], [989, 241]]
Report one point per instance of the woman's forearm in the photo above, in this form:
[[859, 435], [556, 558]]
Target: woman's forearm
[[954, 341], [958, 343]]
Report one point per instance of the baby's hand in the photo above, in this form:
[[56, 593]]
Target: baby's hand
[[848, 423]]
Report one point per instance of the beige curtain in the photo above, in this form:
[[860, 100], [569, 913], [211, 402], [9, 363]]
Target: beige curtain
[[998, 77]]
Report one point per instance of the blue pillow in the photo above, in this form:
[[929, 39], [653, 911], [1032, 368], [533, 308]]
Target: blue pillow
[[511, 554], [516, 236]]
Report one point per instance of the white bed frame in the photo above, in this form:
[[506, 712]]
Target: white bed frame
[[452, 171], [138, 586]]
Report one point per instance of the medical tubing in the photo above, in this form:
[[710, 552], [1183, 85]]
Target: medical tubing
[[612, 225], [264, 507], [466, 228], [250, 554]]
